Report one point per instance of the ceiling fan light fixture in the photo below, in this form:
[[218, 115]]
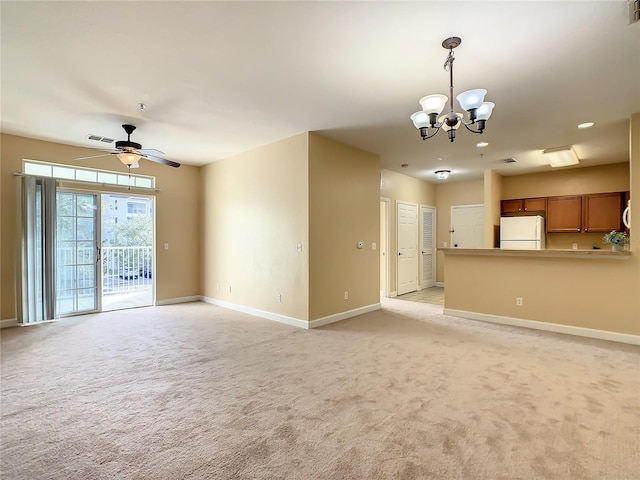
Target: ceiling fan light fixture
[[129, 158], [561, 156]]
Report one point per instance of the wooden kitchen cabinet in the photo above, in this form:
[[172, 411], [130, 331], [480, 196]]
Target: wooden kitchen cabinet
[[512, 206], [535, 204], [603, 212], [517, 205], [564, 214]]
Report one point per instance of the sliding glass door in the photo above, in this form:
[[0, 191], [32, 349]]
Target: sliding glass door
[[77, 253]]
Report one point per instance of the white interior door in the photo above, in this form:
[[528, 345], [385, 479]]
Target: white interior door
[[467, 226], [407, 242], [427, 246]]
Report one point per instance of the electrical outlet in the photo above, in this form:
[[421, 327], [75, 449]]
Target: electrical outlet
[[575, 246], [299, 247], [374, 246], [519, 301], [346, 295], [279, 297], [166, 246]]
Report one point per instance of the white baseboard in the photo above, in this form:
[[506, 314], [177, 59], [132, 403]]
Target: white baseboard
[[172, 301], [439, 284], [336, 317], [295, 322], [549, 327], [393, 294], [9, 322]]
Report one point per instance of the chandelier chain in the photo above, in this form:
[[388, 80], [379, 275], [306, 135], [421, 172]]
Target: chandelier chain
[[449, 61]]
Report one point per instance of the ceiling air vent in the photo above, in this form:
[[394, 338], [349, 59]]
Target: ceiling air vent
[[634, 11], [510, 160], [99, 138]]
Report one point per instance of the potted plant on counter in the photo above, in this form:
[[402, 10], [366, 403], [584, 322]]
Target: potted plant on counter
[[615, 239]]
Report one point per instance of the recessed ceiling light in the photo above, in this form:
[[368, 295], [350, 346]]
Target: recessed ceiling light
[[586, 125], [482, 144]]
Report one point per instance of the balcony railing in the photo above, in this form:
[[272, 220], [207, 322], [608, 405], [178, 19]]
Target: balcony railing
[[126, 269]]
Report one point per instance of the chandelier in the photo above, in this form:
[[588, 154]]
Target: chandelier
[[471, 101]]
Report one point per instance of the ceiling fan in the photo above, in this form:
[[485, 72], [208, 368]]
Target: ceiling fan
[[130, 152]]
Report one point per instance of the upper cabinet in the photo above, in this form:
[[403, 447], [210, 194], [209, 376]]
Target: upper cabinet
[[564, 214], [591, 213], [517, 205], [603, 212]]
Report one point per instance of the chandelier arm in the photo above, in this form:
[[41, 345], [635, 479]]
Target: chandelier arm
[[470, 129], [426, 137]]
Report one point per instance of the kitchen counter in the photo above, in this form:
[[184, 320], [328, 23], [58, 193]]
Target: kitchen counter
[[546, 253]]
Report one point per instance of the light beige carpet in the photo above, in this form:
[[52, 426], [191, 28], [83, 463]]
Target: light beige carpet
[[195, 391]]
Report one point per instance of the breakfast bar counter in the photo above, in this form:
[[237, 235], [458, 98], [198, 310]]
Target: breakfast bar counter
[[545, 253]]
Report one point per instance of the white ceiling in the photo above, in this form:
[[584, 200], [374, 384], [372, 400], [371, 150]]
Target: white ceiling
[[220, 78]]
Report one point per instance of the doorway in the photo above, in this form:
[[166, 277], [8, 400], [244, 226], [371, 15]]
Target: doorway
[[467, 226], [104, 252], [407, 241], [127, 247]]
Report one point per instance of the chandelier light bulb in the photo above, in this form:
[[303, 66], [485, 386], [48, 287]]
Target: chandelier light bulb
[[433, 103], [471, 99]]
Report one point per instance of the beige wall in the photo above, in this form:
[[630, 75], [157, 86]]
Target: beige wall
[[492, 207], [343, 209], [600, 294], [177, 215], [449, 194], [570, 181], [254, 214], [600, 179], [399, 187], [589, 293]]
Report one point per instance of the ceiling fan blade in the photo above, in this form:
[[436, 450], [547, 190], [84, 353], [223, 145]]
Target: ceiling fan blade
[[152, 151], [96, 156], [164, 161]]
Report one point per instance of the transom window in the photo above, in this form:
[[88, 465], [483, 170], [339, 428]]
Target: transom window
[[85, 174]]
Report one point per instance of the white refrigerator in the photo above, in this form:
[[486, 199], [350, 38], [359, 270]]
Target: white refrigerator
[[522, 233]]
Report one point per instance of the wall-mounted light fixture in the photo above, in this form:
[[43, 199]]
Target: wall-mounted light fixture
[[471, 101], [561, 156], [442, 174]]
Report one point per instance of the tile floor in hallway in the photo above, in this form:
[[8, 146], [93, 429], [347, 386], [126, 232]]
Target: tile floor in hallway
[[433, 295]]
